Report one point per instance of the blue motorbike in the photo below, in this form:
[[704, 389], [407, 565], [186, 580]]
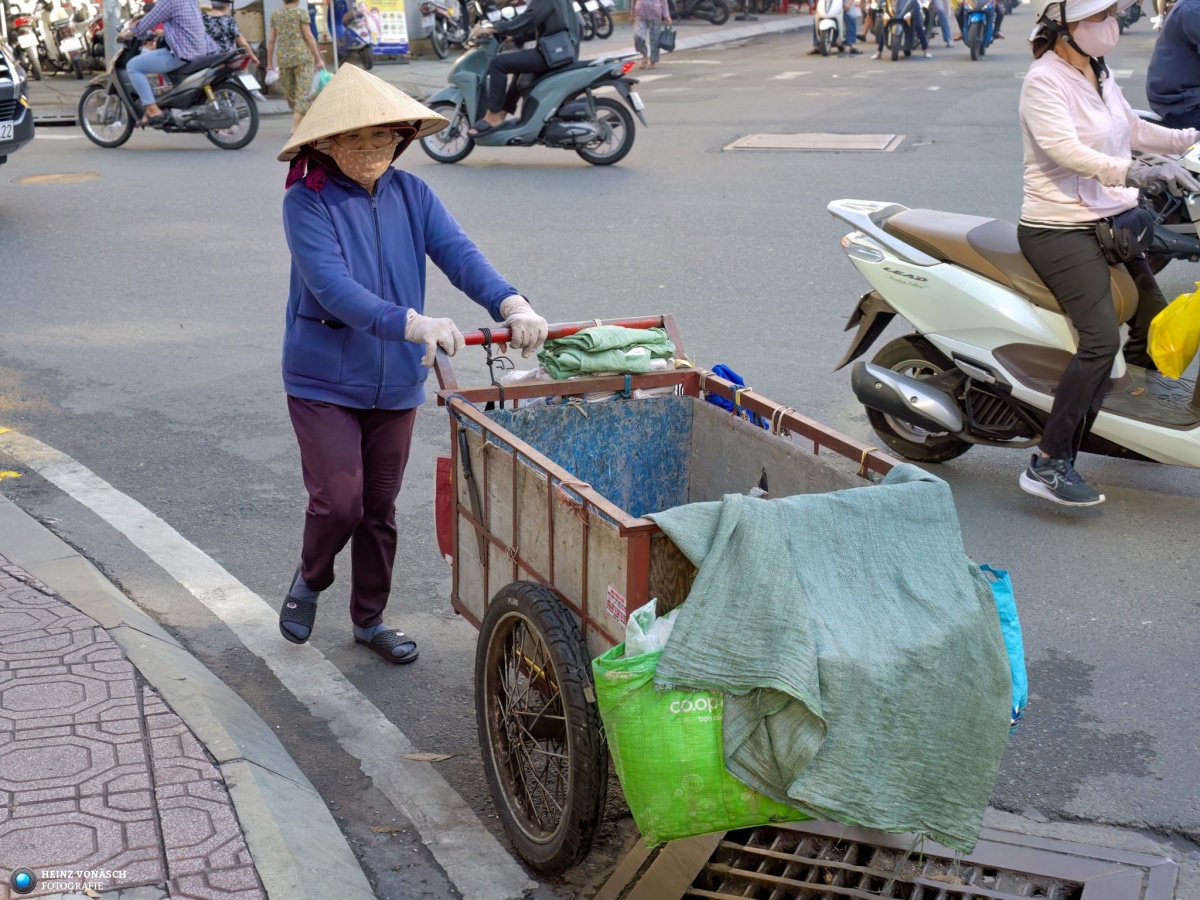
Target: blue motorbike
[[979, 25]]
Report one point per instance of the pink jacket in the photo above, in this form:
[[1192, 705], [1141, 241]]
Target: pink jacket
[[1078, 145], [651, 9]]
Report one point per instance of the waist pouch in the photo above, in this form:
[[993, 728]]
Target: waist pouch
[[557, 49], [1125, 236]]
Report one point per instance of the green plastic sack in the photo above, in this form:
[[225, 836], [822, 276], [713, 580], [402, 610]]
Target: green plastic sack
[[670, 757]]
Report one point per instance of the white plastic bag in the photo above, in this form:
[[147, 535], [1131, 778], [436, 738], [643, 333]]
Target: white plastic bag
[[272, 76], [645, 632]]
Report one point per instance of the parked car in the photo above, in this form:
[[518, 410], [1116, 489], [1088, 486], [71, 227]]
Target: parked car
[[16, 118]]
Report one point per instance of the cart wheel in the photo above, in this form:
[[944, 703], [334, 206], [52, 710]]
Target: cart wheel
[[544, 755]]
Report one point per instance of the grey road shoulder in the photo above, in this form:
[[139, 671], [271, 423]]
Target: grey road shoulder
[[298, 849]]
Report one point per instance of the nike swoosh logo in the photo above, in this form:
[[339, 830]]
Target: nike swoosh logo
[[1143, 234]]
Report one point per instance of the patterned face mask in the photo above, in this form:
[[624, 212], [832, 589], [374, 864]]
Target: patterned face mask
[[363, 166]]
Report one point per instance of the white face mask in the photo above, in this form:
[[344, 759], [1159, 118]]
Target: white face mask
[[1097, 39]]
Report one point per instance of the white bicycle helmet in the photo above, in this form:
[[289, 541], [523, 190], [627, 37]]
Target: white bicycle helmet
[[1077, 10]]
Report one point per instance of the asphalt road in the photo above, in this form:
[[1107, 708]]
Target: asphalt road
[[140, 324]]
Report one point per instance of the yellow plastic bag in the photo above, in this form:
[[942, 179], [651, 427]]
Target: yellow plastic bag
[[1175, 334]]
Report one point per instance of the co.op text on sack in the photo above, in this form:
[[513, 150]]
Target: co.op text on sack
[[700, 703]]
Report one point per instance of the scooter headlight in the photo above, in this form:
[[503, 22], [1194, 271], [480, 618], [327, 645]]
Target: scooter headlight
[[858, 246]]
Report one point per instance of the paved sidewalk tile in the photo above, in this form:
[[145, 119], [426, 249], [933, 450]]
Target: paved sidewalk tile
[[97, 773]]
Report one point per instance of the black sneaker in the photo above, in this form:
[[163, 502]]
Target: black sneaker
[[1057, 481]]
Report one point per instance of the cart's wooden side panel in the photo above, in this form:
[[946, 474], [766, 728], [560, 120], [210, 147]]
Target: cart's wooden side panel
[[533, 519], [501, 568], [608, 568], [671, 574], [569, 538], [728, 455], [472, 598]]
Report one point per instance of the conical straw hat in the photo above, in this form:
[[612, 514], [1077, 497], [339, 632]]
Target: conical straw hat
[[356, 99]]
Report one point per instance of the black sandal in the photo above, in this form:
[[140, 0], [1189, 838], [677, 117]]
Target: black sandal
[[297, 612], [386, 643]]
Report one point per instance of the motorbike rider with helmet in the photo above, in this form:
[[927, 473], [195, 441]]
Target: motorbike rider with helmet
[[541, 19], [185, 40], [1078, 133], [918, 26], [1173, 77]]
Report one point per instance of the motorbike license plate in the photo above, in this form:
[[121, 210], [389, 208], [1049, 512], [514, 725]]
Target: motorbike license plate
[[27, 40], [636, 101], [70, 45], [6, 131], [249, 82], [608, 4], [427, 21], [591, 5]]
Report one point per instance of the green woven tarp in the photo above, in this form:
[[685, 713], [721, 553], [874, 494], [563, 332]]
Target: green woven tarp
[[605, 348], [860, 649], [667, 750]]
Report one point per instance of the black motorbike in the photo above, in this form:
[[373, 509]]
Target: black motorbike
[[1129, 15], [714, 11], [444, 25], [209, 96]]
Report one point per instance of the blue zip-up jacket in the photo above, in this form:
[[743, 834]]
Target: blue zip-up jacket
[[358, 266]]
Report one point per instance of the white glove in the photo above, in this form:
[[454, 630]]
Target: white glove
[[1178, 180], [527, 328], [433, 333]]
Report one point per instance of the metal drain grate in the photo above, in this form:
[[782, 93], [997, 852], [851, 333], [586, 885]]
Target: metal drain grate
[[819, 142], [828, 861], [773, 864]]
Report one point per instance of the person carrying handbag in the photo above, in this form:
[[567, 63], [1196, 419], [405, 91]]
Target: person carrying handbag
[[550, 23], [650, 16]]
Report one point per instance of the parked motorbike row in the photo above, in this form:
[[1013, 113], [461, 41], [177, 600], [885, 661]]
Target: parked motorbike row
[[47, 35]]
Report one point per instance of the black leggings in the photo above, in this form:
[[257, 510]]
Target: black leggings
[[1074, 268], [513, 62]]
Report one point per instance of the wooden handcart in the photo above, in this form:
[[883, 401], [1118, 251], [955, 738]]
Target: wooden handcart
[[551, 551]]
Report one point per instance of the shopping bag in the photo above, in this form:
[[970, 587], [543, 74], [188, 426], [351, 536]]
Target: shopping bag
[[666, 40], [320, 79], [271, 77], [1175, 334], [1010, 626], [669, 755]]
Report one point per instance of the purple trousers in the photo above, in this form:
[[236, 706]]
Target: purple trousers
[[353, 462]]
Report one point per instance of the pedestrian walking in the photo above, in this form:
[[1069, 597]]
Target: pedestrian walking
[[650, 16], [358, 343], [222, 27], [292, 52]]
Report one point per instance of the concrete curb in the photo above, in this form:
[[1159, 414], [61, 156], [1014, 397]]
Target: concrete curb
[[298, 849]]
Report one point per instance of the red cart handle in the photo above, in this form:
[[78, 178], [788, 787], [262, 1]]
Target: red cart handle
[[501, 335]]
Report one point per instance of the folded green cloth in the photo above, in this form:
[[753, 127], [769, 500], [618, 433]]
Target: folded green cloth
[[605, 348]]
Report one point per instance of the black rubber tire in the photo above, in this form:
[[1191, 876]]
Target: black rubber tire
[[720, 12], [904, 355], [81, 118], [826, 42], [77, 66], [587, 30], [234, 88], [975, 39], [457, 119], [603, 24], [33, 65], [897, 41], [622, 112], [439, 40], [524, 607]]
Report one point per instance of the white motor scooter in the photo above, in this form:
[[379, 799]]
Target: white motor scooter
[[990, 344], [829, 25]]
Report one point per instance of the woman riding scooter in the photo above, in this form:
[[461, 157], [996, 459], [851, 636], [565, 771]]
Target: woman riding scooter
[[1078, 134]]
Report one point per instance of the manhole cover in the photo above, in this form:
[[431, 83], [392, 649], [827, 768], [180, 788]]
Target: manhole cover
[[827, 861], [58, 178], [816, 141]]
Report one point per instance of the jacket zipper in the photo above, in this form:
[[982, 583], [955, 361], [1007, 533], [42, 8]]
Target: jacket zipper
[[379, 257]]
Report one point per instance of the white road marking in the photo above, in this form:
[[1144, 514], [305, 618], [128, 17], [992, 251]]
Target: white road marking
[[475, 861], [655, 77], [41, 135], [788, 76], [935, 87], [1122, 73], [667, 90], [690, 62]]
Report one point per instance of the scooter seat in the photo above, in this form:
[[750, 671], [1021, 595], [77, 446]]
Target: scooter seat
[[989, 247], [204, 62]]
